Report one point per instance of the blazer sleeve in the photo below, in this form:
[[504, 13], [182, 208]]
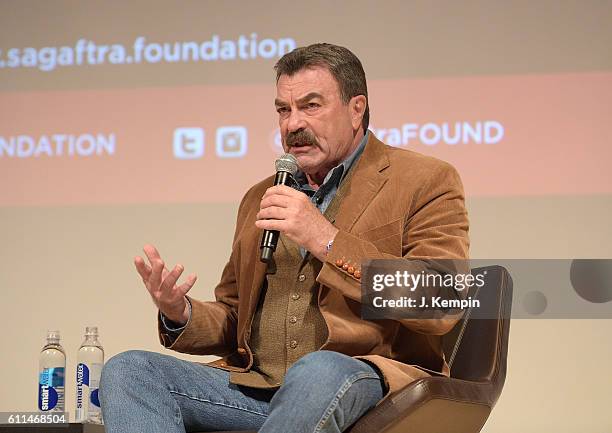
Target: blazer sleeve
[[435, 227]]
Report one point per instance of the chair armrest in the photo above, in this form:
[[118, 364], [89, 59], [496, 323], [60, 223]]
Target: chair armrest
[[431, 404]]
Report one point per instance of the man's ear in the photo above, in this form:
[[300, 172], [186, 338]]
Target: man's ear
[[357, 107]]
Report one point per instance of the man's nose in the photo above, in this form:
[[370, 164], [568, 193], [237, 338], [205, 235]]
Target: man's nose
[[295, 121]]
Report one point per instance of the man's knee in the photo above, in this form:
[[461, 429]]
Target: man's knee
[[123, 369], [126, 362], [338, 389]]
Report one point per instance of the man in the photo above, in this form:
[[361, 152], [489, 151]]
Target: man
[[296, 354]]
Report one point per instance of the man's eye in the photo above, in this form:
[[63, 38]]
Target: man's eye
[[313, 105], [281, 110]]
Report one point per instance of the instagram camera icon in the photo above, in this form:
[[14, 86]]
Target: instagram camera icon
[[188, 143], [231, 141]]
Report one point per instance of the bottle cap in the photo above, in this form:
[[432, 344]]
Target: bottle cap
[[53, 336], [91, 330]]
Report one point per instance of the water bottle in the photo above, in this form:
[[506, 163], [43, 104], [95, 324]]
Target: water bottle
[[90, 360], [51, 375]]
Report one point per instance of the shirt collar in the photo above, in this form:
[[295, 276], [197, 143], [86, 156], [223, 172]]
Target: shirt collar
[[339, 172]]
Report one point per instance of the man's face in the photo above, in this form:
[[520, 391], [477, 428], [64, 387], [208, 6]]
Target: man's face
[[316, 126]]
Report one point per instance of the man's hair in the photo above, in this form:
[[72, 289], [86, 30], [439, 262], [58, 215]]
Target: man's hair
[[344, 66]]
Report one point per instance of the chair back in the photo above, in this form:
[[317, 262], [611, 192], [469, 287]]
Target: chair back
[[477, 347]]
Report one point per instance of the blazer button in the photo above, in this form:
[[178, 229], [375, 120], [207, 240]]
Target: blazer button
[[357, 273], [339, 262], [345, 266], [241, 350], [223, 364], [351, 270]]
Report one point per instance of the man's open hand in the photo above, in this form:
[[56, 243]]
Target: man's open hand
[[161, 284], [291, 212]]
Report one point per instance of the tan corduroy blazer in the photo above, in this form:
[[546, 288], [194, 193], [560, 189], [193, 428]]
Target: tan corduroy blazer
[[399, 203]]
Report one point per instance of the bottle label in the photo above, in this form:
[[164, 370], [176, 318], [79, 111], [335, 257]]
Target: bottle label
[[94, 385], [51, 389], [82, 385], [87, 383]]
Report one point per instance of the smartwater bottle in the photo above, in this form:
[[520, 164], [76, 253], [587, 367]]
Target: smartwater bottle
[[51, 375], [90, 360]]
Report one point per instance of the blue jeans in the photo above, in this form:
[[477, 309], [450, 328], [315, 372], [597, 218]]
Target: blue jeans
[[323, 392]]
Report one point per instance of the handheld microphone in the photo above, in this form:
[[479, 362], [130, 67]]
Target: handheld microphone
[[286, 167]]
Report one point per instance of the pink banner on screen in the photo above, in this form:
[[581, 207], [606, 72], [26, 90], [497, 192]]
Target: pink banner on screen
[[506, 135]]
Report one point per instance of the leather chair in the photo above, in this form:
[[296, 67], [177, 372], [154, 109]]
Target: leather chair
[[476, 350]]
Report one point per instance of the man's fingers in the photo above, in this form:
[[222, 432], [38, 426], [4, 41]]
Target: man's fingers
[[275, 200], [143, 269], [155, 278], [187, 285], [170, 280], [273, 212], [271, 224], [282, 190], [165, 273], [151, 253], [158, 278]]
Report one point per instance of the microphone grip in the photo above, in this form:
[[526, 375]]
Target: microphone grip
[[269, 239], [268, 244]]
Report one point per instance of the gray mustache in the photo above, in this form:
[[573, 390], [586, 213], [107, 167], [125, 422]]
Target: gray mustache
[[300, 137]]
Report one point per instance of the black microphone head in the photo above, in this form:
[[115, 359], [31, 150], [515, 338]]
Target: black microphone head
[[287, 163]]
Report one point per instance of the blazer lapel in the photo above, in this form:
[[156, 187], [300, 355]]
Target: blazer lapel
[[259, 274], [365, 182]]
